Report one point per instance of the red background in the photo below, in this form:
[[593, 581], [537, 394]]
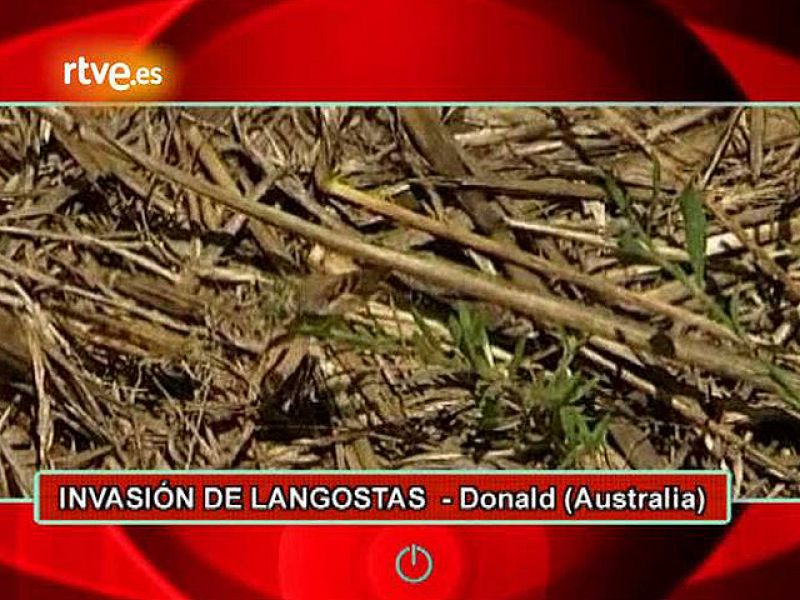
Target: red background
[[755, 557], [419, 50]]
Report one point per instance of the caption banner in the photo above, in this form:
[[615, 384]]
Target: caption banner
[[337, 497]]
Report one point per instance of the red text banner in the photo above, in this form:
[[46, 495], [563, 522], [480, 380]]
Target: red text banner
[[342, 497]]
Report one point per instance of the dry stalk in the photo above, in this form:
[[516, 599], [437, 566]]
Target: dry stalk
[[546, 310]]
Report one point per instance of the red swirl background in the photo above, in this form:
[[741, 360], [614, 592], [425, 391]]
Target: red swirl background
[[416, 50], [422, 50], [755, 557]]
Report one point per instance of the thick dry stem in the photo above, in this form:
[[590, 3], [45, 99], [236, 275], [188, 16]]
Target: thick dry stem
[[546, 310]]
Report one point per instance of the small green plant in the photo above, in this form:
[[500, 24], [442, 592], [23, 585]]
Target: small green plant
[[427, 345], [336, 328], [469, 331], [562, 394], [635, 243], [559, 396], [581, 437], [468, 328], [785, 387]]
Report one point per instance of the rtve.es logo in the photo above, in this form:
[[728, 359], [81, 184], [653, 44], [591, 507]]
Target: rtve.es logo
[[120, 76]]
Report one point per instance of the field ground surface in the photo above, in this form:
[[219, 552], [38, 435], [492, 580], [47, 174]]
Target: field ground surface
[[401, 287]]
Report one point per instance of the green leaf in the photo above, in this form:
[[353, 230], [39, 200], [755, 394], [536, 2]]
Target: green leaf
[[519, 353], [489, 408], [694, 222], [656, 178], [616, 193], [786, 387], [457, 333], [631, 248], [426, 343], [734, 310]]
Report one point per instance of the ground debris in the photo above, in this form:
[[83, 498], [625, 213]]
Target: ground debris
[[374, 287]]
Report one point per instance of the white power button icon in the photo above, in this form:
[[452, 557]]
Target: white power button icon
[[418, 553]]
